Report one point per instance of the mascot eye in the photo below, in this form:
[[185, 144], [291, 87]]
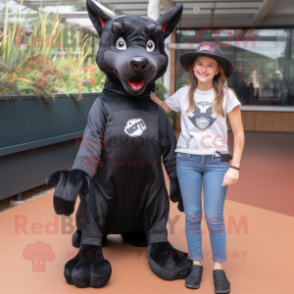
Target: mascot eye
[[150, 46], [121, 44]]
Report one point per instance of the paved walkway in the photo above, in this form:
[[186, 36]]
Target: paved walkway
[[259, 217]]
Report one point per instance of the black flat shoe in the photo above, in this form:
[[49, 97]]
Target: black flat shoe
[[221, 283], [194, 278]]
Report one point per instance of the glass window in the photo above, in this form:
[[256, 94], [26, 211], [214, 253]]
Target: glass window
[[263, 62], [47, 50]]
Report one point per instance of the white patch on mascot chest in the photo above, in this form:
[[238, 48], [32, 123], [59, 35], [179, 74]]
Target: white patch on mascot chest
[[135, 127]]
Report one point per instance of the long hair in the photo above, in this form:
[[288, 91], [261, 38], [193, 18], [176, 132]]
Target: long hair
[[219, 87]]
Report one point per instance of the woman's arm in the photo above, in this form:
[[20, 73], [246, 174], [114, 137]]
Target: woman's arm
[[161, 103], [239, 140], [238, 132]]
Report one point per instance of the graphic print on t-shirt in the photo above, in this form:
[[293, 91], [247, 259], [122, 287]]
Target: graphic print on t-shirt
[[135, 127], [202, 116]]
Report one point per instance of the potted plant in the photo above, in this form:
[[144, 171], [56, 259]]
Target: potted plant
[[160, 91], [47, 87]]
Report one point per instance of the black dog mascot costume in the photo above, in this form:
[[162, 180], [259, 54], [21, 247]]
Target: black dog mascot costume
[[117, 172]]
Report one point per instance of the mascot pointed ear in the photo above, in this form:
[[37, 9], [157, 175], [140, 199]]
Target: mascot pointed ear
[[169, 20], [97, 16]]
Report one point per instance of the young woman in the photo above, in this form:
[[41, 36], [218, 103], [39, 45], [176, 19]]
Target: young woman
[[203, 153]]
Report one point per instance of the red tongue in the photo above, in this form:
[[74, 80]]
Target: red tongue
[[136, 84]]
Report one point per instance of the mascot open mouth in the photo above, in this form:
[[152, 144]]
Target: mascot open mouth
[[136, 84]]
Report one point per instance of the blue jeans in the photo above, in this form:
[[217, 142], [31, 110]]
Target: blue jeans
[[192, 170]]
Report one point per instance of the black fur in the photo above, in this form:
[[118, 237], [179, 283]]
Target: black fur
[[132, 202], [137, 34], [70, 184], [175, 193], [88, 268]]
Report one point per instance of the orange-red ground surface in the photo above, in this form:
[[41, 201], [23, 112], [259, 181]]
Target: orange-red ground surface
[[259, 217]]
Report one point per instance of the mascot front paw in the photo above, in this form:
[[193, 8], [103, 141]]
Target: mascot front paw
[[76, 239], [167, 262], [175, 193], [70, 184], [88, 268]]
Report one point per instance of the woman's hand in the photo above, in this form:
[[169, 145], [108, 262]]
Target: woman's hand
[[231, 177]]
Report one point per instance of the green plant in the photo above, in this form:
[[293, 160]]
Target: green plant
[[160, 90], [78, 72], [27, 65], [7, 87], [31, 64]]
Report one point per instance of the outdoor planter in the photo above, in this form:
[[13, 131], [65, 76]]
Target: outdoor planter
[[38, 137]]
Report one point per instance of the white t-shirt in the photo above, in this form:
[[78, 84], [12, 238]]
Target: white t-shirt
[[202, 132]]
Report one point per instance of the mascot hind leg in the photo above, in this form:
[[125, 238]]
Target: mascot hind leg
[[167, 262], [77, 236], [88, 268]]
